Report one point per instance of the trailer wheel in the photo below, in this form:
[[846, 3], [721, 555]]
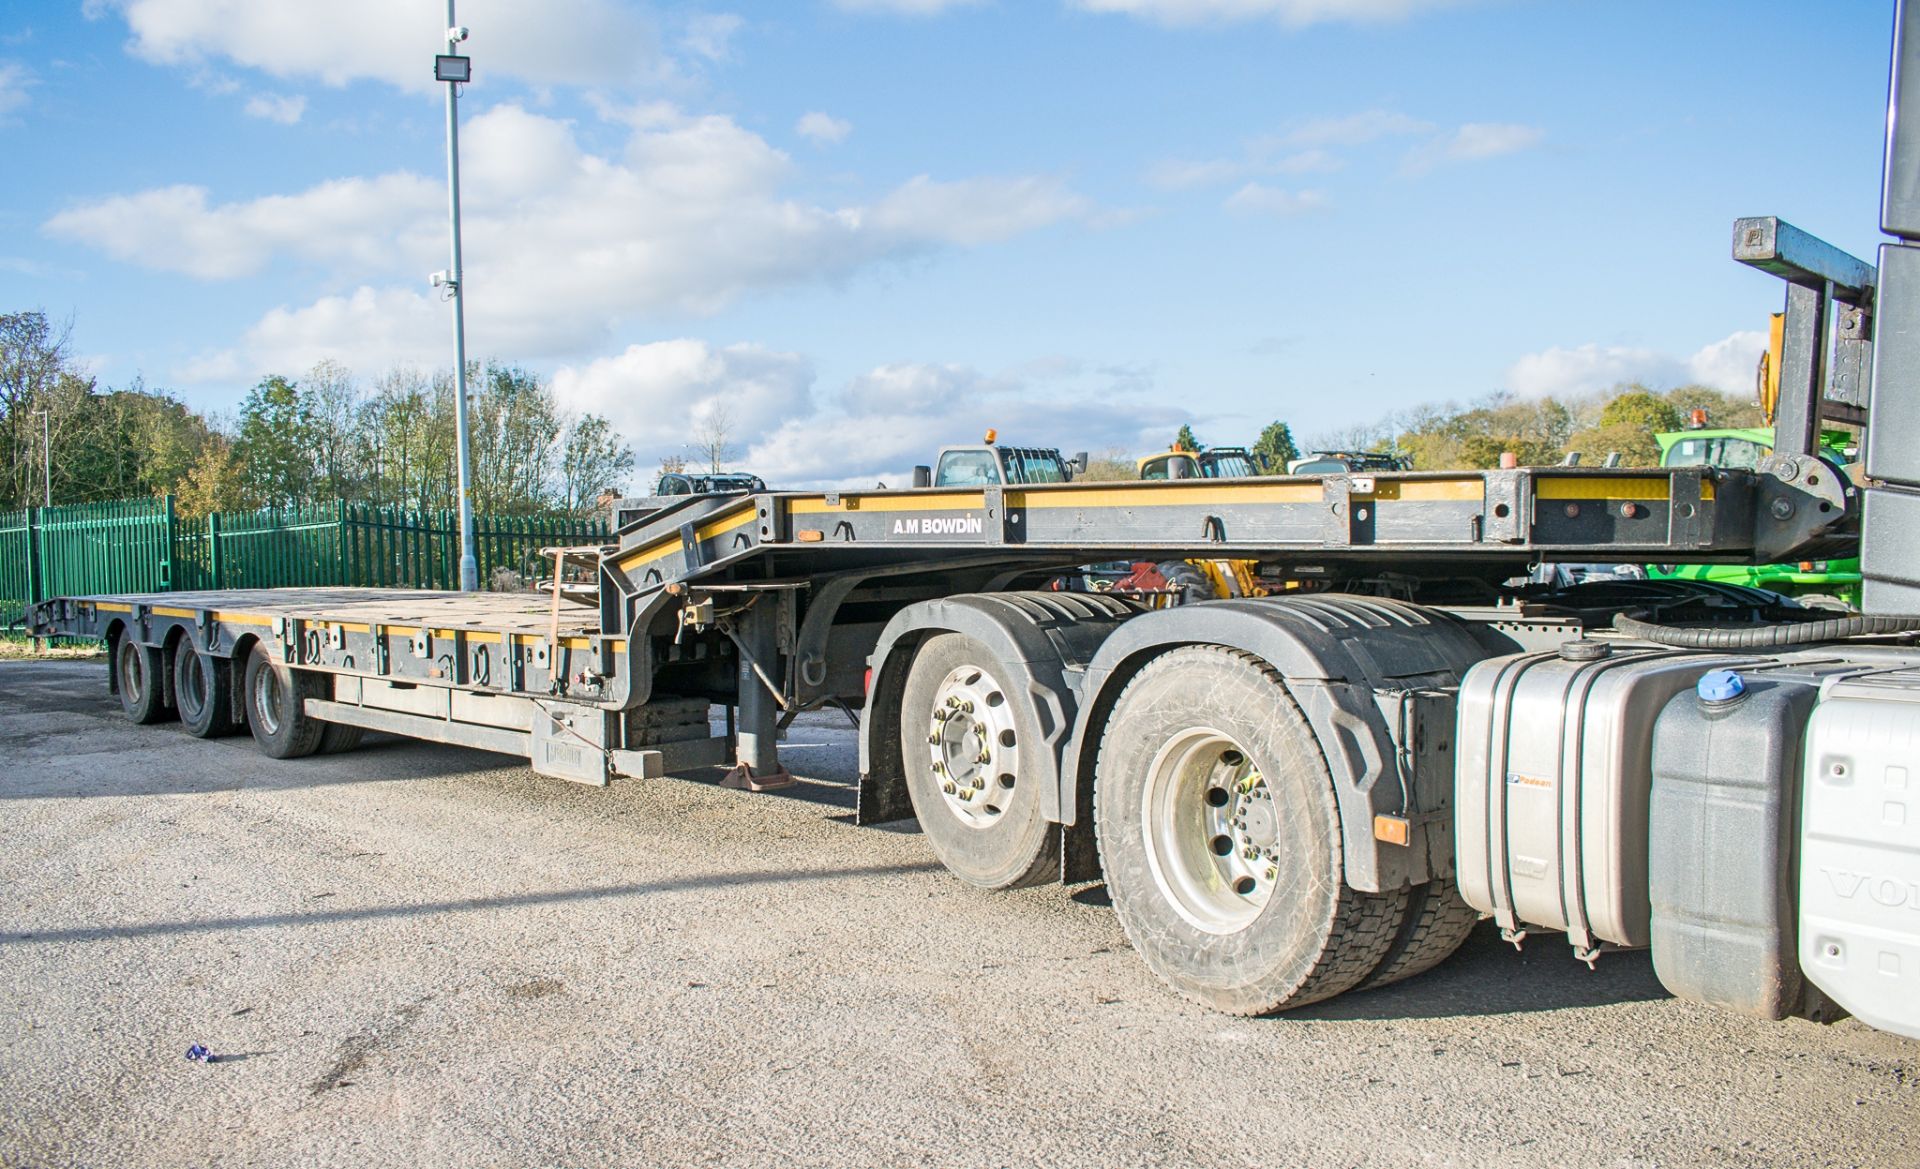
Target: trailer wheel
[[277, 707], [1220, 839], [140, 671], [1437, 924], [203, 691], [963, 729]]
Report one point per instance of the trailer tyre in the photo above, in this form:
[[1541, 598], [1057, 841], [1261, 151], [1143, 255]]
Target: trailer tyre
[[277, 707], [1437, 924], [140, 675], [963, 731], [203, 690], [1219, 836]]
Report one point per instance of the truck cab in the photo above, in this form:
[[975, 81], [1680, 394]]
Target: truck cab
[[1220, 462], [992, 463]]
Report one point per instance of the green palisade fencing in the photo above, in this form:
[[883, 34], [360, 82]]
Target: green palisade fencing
[[19, 564], [140, 546]]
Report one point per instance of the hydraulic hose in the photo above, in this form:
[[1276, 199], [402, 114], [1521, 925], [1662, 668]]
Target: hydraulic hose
[[1761, 636]]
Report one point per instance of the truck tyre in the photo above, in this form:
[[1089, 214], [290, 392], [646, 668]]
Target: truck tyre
[[340, 737], [1437, 924], [140, 675], [1219, 836], [203, 690], [964, 728], [277, 707]]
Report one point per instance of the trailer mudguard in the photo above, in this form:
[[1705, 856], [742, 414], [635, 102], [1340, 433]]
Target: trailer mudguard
[[1340, 657], [1044, 639]]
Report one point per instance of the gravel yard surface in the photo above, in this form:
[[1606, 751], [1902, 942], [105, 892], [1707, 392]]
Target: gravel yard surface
[[413, 955]]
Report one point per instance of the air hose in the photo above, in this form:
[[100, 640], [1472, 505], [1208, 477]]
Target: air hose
[[1761, 636]]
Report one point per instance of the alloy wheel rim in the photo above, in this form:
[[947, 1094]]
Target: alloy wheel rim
[[974, 746], [1212, 831]]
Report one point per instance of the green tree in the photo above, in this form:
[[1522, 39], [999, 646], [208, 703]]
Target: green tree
[[1639, 406], [1275, 447], [514, 425], [275, 444], [1184, 441], [593, 460]]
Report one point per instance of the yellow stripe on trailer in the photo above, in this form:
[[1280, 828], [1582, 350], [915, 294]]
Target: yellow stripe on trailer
[[1595, 487]]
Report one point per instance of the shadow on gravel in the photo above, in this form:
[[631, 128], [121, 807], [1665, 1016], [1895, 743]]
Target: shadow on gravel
[[1486, 977], [107, 933], [226, 765]]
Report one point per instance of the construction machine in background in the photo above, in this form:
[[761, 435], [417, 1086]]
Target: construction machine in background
[[1220, 462]]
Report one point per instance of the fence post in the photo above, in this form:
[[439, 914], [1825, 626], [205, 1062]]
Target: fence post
[[36, 564], [214, 567], [168, 534], [340, 544]]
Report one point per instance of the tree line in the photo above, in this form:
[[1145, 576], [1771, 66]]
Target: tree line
[[1449, 436], [323, 437]]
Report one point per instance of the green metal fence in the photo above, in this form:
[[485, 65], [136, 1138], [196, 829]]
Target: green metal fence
[[141, 546]]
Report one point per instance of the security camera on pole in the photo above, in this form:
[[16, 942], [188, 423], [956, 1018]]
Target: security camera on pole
[[457, 70]]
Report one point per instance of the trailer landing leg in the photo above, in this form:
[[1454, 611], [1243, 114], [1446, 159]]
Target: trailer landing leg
[[757, 760]]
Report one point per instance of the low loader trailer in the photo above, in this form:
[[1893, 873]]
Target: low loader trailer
[[1289, 797]]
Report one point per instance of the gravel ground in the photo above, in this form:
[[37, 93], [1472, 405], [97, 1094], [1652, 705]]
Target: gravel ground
[[421, 956]]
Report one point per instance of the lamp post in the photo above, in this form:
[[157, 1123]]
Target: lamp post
[[46, 455], [455, 70]]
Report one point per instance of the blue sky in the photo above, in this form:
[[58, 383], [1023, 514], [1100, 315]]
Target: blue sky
[[863, 228]]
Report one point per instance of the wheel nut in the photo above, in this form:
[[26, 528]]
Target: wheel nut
[[939, 768], [948, 787], [983, 757]]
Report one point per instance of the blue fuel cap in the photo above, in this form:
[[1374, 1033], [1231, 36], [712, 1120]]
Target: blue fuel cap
[[1720, 686]]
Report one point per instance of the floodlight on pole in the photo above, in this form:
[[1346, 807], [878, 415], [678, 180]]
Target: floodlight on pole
[[456, 70]]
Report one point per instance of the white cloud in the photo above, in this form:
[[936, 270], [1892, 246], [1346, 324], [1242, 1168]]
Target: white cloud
[[1355, 129], [887, 420], [903, 7], [585, 42], [823, 127], [274, 107], [874, 428], [973, 211], [710, 34], [1473, 142], [1294, 13], [14, 81], [353, 223], [1257, 198], [655, 394], [563, 245], [1726, 364], [1729, 364]]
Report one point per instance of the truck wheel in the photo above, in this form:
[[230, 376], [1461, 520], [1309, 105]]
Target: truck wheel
[[1437, 924], [964, 730], [203, 690], [277, 707], [1220, 838], [140, 671], [340, 737]]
